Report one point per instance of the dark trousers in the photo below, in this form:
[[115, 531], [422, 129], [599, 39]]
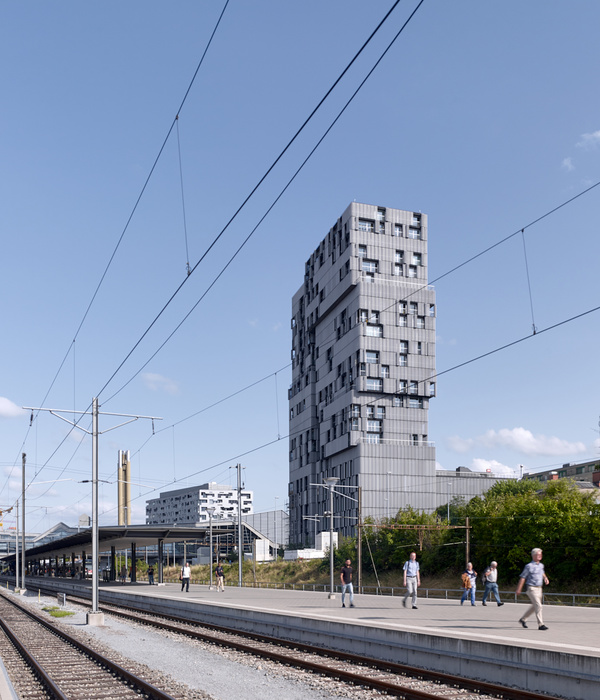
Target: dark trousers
[[185, 583]]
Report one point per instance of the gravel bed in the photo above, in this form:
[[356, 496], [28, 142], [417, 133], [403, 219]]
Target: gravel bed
[[209, 671]]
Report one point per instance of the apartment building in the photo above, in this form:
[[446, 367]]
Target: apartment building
[[363, 364], [190, 505]]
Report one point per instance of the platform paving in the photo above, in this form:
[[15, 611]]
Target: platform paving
[[477, 642], [570, 629]]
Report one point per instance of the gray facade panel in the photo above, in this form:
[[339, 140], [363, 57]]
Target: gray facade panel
[[363, 357]]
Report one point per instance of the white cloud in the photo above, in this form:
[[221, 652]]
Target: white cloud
[[483, 465], [277, 326], [156, 382], [8, 409], [567, 164], [520, 440], [253, 322], [589, 141], [438, 466]]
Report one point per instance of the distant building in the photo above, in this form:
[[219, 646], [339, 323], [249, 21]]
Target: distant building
[[465, 484], [578, 471], [273, 525], [189, 505], [363, 372]]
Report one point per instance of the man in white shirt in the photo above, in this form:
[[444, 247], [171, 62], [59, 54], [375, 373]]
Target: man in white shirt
[[490, 576], [186, 572]]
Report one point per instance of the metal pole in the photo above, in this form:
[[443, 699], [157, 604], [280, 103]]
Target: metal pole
[[240, 540], [23, 523], [17, 551], [331, 541], [331, 481], [468, 552], [359, 542], [95, 538], [275, 523], [210, 562]]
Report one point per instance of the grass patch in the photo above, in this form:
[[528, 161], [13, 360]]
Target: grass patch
[[55, 611]]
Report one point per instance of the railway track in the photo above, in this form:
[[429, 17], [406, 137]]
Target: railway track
[[50, 663], [394, 679]]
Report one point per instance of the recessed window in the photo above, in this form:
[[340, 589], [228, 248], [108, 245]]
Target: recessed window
[[398, 401], [366, 225], [413, 388], [415, 403], [385, 371], [374, 384], [381, 215], [374, 426], [374, 331], [372, 357], [420, 321], [369, 266], [412, 307], [403, 360], [432, 389], [404, 347], [397, 229], [412, 271], [414, 232], [355, 410], [380, 412], [403, 320], [419, 348], [370, 412], [417, 259], [432, 309], [399, 256], [362, 251]]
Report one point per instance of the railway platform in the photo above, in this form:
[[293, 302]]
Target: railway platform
[[476, 642]]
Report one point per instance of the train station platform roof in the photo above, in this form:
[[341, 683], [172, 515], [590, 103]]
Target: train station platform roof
[[122, 537]]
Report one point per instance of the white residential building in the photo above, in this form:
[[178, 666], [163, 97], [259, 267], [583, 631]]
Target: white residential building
[[189, 505]]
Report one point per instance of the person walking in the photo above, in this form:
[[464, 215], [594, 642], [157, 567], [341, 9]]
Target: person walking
[[151, 575], [469, 579], [123, 574], [346, 579], [490, 576], [220, 577], [412, 579], [534, 576], [186, 572]]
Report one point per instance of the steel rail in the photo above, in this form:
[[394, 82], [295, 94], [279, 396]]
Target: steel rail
[[37, 668], [152, 691], [389, 666]]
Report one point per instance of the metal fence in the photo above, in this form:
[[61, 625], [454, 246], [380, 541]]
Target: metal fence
[[572, 599]]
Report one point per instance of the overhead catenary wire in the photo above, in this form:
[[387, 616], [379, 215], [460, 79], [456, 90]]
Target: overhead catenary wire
[[257, 186], [128, 222]]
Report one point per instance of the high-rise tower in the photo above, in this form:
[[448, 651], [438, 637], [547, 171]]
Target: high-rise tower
[[363, 362]]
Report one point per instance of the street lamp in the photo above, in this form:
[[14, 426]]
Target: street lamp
[[210, 512], [331, 481]]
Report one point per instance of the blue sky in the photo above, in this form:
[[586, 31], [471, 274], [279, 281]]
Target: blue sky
[[485, 116]]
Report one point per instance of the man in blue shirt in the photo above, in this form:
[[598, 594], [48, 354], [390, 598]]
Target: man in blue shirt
[[412, 579], [535, 577]]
